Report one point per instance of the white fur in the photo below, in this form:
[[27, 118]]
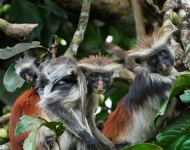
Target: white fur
[[141, 130], [156, 76], [109, 67], [158, 42], [26, 62]]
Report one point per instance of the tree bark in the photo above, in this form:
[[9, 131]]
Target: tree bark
[[118, 13]]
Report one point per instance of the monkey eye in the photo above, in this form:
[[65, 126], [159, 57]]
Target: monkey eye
[[153, 60], [163, 54], [106, 75], [93, 75]]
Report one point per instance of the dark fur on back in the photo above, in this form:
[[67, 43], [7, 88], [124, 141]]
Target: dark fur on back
[[145, 87]]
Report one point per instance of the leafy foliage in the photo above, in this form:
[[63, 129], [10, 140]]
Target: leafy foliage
[[177, 135], [185, 97], [18, 48], [53, 20], [26, 124], [33, 124], [143, 146], [11, 80], [182, 83]]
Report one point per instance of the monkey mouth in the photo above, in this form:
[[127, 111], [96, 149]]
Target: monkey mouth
[[167, 71], [29, 79], [99, 91]]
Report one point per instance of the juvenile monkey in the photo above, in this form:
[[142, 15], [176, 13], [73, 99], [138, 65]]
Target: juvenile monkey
[[151, 86], [27, 68], [99, 72], [30, 70]]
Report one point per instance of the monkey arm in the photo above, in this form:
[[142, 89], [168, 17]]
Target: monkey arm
[[57, 105], [103, 142], [92, 105]]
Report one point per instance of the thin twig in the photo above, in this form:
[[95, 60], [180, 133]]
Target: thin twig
[[156, 8], [54, 47], [79, 33]]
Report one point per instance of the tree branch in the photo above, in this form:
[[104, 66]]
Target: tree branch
[[139, 19], [156, 8], [79, 33], [4, 119], [16, 30]]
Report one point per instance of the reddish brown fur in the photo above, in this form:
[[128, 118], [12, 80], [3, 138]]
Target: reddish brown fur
[[24, 105], [117, 122], [99, 60]]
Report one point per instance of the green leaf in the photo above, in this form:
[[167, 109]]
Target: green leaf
[[18, 48], [59, 11], [4, 9], [29, 143], [35, 32], [176, 135], [11, 80], [92, 35], [184, 143], [44, 12], [28, 123], [56, 127], [116, 34], [182, 83], [185, 97], [51, 25], [143, 146], [23, 11], [33, 124]]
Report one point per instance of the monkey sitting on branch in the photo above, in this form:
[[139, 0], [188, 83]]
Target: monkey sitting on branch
[[155, 76]]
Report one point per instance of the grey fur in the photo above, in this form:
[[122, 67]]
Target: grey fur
[[66, 105]]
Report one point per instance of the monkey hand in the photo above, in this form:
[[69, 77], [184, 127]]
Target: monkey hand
[[90, 142], [121, 145]]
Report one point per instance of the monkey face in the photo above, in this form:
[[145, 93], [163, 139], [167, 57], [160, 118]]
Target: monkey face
[[99, 80], [28, 75], [161, 61]]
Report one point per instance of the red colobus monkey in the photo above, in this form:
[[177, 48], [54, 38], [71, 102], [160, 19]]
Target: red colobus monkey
[[151, 86], [99, 72], [61, 100]]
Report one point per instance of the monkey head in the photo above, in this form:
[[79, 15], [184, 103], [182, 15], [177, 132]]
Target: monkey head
[[99, 72]]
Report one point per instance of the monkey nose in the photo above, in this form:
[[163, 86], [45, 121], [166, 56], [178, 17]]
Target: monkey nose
[[163, 65], [29, 79]]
